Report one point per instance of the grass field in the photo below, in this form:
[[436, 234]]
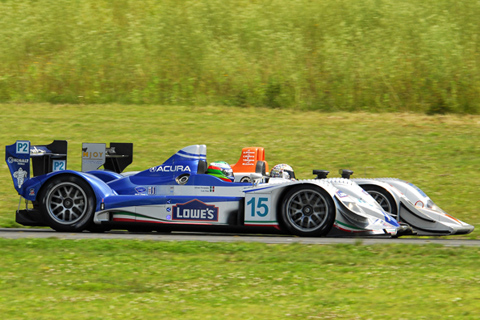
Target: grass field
[[126, 279], [440, 154], [116, 279], [329, 55]]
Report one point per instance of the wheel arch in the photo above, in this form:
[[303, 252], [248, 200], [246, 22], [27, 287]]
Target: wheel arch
[[284, 191], [386, 189], [99, 188]]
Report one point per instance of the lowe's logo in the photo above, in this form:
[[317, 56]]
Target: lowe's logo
[[195, 210]]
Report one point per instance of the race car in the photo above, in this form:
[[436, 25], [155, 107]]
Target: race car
[[180, 194], [404, 201]]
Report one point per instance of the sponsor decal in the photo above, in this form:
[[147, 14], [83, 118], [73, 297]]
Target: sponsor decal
[[248, 158], [59, 165], [168, 168], [93, 156], [205, 189], [20, 162], [140, 191], [341, 194], [20, 175], [22, 147], [195, 210], [31, 192], [151, 190]]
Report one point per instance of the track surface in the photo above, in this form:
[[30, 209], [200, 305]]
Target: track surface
[[224, 237]]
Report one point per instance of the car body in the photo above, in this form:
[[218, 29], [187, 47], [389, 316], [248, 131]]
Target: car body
[[179, 195], [404, 201], [408, 204]]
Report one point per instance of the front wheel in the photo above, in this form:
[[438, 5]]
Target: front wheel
[[67, 204], [384, 199], [307, 211]]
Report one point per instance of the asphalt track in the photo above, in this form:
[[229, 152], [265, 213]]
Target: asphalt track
[[8, 233]]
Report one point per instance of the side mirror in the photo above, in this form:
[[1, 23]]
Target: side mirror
[[345, 173], [321, 174]]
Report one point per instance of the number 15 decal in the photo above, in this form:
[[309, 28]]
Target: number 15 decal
[[259, 207]]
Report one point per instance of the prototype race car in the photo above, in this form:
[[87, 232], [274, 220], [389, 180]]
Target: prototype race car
[[179, 194], [404, 201]]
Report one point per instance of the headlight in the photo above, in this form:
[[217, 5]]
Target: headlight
[[354, 207]]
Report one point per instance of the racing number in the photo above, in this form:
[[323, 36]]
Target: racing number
[[22, 147], [259, 208]]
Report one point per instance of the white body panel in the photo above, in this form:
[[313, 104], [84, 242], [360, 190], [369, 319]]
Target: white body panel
[[355, 211], [416, 209]]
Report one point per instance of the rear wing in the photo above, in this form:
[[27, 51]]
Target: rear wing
[[44, 159], [22, 157], [115, 158]]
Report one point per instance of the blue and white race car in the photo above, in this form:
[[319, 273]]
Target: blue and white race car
[[404, 201], [179, 194]]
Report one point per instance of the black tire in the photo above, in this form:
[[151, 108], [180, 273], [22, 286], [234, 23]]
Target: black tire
[[67, 204], [307, 211], [384, 199]]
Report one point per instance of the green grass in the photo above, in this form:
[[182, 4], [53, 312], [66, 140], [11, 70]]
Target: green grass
[[127, 279], [440, 154], [329, 55]]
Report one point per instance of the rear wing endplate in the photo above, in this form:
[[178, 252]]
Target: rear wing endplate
[[44, 159]]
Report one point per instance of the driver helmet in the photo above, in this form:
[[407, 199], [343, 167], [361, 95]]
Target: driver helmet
[[222, 170], [283, 171]]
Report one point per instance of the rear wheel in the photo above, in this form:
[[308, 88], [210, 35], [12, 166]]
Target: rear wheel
[[67, 204], [384, 199], [307, 211]]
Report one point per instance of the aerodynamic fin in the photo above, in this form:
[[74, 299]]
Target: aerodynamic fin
[[115, 158], [17, 157], [44, 159]]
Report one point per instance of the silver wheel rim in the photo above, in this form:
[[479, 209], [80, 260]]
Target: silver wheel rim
[[307, 210], [382, 200], [66, 203]]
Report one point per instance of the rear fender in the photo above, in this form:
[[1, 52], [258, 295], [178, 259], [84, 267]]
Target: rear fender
[[105, 176], [99, 188]]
